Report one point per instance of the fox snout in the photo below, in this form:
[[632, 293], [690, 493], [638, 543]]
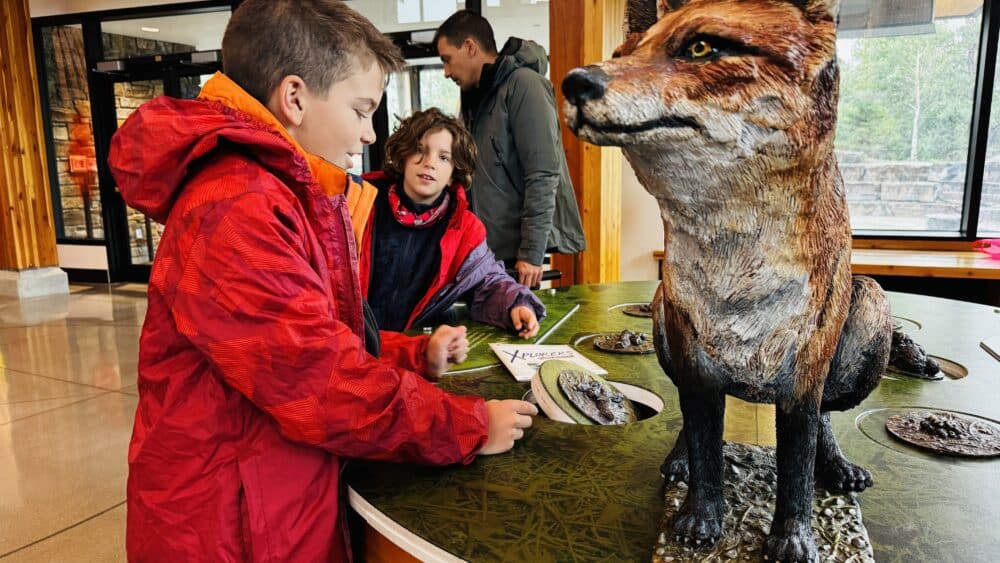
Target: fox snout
[[584, 84]]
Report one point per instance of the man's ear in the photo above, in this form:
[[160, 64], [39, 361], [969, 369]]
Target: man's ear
[[288, 101], [470, 46]]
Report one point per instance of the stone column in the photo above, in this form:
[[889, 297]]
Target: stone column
[[29, 263]]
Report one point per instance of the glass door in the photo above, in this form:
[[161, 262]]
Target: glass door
[[143, 233], [132, 236], [140, 56]]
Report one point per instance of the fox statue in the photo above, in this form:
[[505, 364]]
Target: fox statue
[[726, 110]]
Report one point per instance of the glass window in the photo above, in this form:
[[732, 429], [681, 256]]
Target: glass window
[[433, 90], [399, 100], [141, 37], [407, 15], [989, 205], [527, 19], [907, 84], [76, 198], [437, 91]]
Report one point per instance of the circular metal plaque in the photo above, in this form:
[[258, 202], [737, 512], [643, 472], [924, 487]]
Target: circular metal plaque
[[946, 433], [639, 310], [624, 342], [596, 399]]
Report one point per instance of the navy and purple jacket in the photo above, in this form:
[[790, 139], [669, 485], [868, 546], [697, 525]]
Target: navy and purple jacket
[[465, 264]]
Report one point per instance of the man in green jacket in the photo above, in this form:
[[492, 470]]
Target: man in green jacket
[[521, 188]]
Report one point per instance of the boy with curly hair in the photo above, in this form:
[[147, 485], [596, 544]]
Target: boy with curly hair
[[423, 249]]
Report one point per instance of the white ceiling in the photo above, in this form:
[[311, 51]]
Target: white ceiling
[[204, 31], [524, 18], [56, 7]]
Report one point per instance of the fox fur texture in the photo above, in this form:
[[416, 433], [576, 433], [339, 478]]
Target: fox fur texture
[[726, 110]]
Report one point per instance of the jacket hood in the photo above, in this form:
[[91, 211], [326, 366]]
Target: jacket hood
[[162, 143], [517, 53]]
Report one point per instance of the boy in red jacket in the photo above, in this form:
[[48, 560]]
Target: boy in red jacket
[[256, 374]]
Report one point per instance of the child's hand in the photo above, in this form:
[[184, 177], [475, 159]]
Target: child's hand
[[446, 346], [508, 419], [525, 321]]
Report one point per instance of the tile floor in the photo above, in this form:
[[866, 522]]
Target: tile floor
[[67, 400]]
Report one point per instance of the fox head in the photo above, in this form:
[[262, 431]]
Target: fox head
[[714, 91]]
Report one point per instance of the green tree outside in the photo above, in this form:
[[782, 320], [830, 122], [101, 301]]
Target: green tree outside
[[910, 97]]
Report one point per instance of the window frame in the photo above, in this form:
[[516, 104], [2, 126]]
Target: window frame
[[90, 23], [975, 160]]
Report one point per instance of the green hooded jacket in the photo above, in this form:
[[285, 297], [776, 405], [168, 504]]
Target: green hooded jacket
[[521, 189]]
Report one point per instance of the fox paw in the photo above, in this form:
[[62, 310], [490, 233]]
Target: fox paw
[[793, 543], [841, 476], [674, 469], [698, 526]]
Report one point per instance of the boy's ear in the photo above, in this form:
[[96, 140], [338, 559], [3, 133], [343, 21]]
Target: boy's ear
[[288, 101]]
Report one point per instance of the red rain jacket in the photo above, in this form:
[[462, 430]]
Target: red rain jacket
[[254, 382]]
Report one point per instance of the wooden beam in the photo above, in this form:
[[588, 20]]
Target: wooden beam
[[584, 32], [963, 264], [925, 264], [27, 229], [910, 244]]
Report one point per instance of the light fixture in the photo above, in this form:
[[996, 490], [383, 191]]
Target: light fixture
[[150, 29]]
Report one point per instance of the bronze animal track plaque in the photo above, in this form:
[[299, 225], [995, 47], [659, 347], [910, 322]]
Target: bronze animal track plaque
[[639, 310], [947, 433], [625, 342], [596, 399]]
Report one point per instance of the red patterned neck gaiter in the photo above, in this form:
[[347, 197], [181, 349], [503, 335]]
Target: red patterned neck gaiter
[[417, 219]]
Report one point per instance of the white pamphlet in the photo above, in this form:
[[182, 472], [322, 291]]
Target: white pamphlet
[[523, 359]]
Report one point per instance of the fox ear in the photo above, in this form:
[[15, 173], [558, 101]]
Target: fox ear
[[640, 15], [664, 6], [821, 8]]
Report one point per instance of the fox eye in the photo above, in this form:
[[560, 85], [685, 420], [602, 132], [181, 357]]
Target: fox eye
[[700, 49]]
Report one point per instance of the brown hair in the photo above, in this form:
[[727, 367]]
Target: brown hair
[[405, 142], [321, 41]]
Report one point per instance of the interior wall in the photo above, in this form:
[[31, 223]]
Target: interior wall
[[642, 230], [82, 257]]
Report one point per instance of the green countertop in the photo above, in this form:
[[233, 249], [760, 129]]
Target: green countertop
[[590, 493]]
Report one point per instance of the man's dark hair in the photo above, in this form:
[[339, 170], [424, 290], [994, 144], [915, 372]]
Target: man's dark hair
[[321, 41], [463, 24]]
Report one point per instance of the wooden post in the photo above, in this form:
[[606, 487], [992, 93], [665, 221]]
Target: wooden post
[[28, 257], [583, 32]]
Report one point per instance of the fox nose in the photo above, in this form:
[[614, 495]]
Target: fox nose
[[584, 83]]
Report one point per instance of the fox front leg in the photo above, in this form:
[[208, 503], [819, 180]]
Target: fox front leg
[[699, 520], [791, 537], [675, 466]]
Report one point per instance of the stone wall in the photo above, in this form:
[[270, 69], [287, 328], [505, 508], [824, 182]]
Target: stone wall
[[72, 130], [72, 133], [913, 195]]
